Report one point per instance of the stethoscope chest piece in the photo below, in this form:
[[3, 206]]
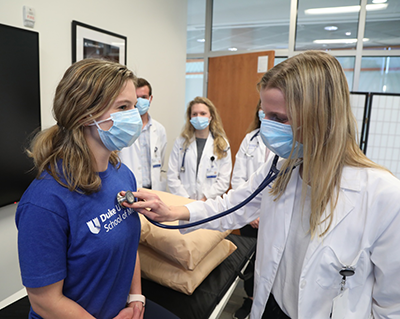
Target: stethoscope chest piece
[[129, 198]]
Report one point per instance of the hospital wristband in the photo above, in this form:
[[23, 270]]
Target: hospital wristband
[[133, 298]]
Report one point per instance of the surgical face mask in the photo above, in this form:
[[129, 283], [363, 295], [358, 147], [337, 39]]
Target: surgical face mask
[[125, 130], [261, 115], [142, 105], [200, 122], [278, 138]]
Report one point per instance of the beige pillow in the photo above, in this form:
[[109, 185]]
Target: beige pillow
[[161, 270], [186, 250]]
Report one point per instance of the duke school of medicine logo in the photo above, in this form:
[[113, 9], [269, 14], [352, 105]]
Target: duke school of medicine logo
[[110, 219], [94, 225]]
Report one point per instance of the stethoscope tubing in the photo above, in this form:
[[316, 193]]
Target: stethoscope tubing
[[271, 176], [247, 153]]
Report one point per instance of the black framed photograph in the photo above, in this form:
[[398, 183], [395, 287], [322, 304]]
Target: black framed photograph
[[96, 43]]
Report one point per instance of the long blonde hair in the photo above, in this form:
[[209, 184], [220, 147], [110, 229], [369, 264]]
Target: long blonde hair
[[88, 87], [216, 128], [318, 106], [255, 124]]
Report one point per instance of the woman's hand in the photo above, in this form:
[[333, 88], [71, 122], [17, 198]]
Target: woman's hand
[[135, 310], [150, 205], [255, 222]]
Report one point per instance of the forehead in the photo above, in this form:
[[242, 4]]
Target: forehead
[[199, 107], [144, 90], [272, 100], [127, 91]]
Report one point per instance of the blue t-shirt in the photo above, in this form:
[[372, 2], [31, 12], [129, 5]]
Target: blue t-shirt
[[89, 241]]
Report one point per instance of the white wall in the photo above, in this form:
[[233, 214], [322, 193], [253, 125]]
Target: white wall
[[156, 50]]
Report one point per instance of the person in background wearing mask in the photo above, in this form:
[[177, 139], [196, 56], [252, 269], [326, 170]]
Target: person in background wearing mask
[[328, 240], [200, 163], [77, 245], [251, 155], [146, 156]]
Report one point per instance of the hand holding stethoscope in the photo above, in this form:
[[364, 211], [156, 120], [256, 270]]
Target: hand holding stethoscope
[[152, 202]]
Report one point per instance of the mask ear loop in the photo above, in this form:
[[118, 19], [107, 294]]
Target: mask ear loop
[[99, 122]]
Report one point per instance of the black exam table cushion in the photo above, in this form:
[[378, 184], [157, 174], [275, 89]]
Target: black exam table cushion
[[204, 299]]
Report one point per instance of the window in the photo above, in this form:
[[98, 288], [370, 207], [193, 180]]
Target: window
[[250, 25], [194, 79], [347, 64], [327, 25], [382, 27], [380, 74], [196, 19]]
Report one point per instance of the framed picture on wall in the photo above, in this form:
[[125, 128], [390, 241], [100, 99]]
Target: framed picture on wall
[[92, 42]]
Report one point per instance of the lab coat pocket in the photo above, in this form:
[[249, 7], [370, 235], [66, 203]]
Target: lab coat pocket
[[330, 266]]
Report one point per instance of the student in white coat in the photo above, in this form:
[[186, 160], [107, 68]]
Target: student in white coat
[[145, 157], [251, 155], [200, 163], [328, 245]]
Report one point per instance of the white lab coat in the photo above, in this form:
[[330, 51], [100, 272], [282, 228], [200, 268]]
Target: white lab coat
[[213, 174], [250, 157], [365, 234], [130, 156]]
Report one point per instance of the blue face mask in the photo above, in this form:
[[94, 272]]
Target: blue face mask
[[142, 105], [126, 129], [278, 138], [200, 122], [261, 115]]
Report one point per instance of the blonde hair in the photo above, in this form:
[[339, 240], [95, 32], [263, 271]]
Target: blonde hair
[[86, 91], [318, 106], [255, 124], [216, 128]]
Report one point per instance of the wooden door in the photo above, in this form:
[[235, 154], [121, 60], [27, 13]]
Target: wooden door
[[232, 88]]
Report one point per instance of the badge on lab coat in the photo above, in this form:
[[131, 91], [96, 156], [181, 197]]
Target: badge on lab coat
[[212, 172], [340, 305], [156, 161]]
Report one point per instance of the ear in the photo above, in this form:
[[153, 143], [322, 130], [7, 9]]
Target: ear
[[85, 122], [151, 99]]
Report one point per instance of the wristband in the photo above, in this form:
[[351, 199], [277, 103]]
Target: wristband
[[132, 298]]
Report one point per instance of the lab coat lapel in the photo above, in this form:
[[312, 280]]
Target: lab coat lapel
[[288, 203], [350, 184], [207, 146]]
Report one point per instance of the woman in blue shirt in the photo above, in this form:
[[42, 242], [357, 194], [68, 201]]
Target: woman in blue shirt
[[77, 245]]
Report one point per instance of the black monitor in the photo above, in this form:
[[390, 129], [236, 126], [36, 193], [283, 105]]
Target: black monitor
[[19, 109]]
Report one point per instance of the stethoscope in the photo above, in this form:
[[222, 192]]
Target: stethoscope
[[182, 169], [183, 161], [247, 153], [271, 176]]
